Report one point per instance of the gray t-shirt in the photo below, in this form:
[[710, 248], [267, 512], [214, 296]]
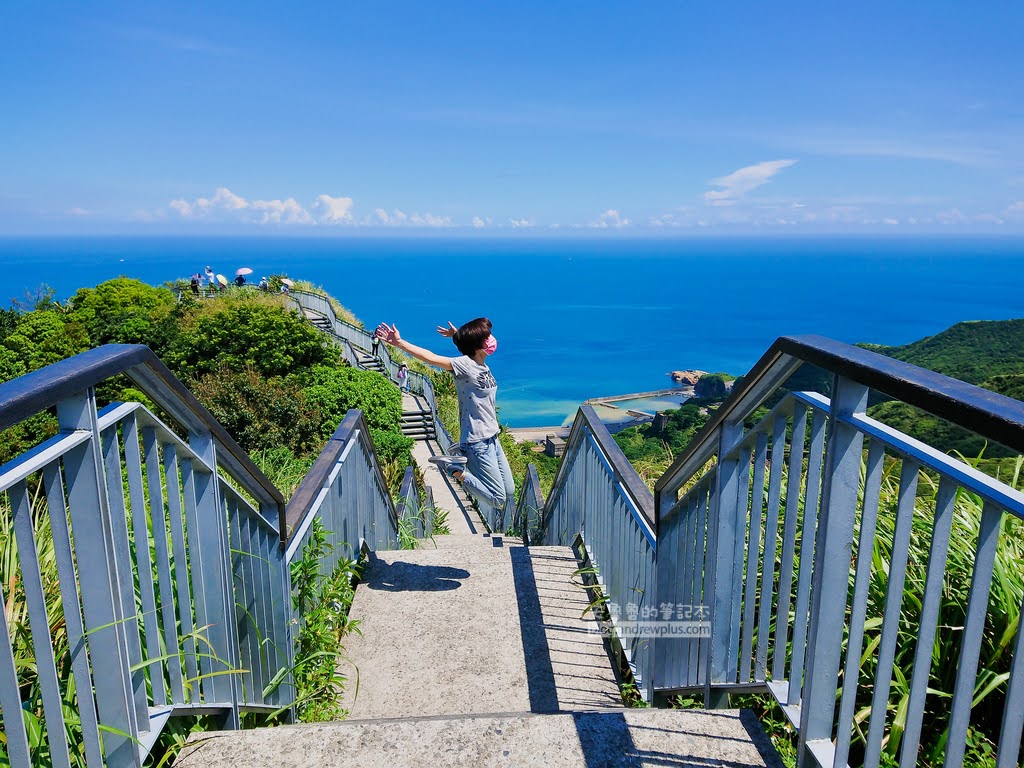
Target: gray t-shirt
[[476, 388]]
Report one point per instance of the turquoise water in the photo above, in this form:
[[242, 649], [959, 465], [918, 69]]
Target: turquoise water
[[577, 319], [652, 404]]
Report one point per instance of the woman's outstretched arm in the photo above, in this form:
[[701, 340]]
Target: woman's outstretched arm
[[389, 335]]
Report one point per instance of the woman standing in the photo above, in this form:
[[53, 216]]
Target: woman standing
[[478, 462]]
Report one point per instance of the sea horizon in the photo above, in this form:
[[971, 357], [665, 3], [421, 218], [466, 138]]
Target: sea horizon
[[587, 317]]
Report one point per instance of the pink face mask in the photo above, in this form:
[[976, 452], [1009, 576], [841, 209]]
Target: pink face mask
[[491, 345]]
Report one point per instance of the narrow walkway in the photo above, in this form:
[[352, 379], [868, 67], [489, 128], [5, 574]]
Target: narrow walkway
[[477, 651]]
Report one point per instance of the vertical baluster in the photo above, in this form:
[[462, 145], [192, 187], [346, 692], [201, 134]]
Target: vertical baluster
[[757, 492], [771, 535], [101, 602], [682, 541], [942, 525], [158, 518], [700, 601], [691, 593], [796, 468], [670, 670], [669, 574], [237, 608], [216, 564], [140, 530], [893, 604], [123, 558], [53, 480], [725, 525], [1013, 709], [812, 492], [39, 622], [10, 697], [831, 576], [264, 544], [175, 514], [255, 634], [261, 640], [974, 627], [282, 628], [204, 685], [858, 609], [743, 502]]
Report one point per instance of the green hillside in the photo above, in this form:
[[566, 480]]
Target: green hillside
[[974, 352]]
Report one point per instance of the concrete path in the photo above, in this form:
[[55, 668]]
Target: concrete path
[[630, 737], [481, 624]]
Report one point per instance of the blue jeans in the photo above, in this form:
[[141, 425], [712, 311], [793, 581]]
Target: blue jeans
[[489, 478]]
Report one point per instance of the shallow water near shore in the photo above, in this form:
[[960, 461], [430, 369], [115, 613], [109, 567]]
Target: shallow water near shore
[[577, 319]]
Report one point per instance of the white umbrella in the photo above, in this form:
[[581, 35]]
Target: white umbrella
[[222, 280], [243, 271], [289, 283]]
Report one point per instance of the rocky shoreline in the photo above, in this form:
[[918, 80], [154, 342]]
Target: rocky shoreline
[[687, 378]]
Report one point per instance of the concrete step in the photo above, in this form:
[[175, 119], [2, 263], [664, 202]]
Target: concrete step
[[623, 737]]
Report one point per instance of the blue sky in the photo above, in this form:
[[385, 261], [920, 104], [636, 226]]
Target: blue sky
[[611, 119]]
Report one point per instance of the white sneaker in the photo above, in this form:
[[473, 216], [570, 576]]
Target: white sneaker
[[453, 466]]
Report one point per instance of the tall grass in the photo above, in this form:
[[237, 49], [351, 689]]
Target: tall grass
[[322, 604], [1001, 624]]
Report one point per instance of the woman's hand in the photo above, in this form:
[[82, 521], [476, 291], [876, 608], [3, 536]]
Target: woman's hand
[[450, 331], [388, 334]]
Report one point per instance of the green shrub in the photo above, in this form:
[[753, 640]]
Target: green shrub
[[246, 334], [261, 413], [126, 311], [335, 390]]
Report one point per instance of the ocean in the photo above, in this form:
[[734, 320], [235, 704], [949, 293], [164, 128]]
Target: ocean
[[580, 318]]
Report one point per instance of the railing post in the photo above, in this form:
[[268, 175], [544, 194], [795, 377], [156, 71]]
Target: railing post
[[101, 599], [725, 524], [831, 577], [219, 589]]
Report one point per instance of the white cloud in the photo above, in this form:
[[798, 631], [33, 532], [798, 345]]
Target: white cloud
[[223, 200], [225, 205], [334, 210], [1016, 209], [399, 218], [739, 183], [610, 218], [520, 223], [281, 212], [479, 223], [76, 211], [429, 220]]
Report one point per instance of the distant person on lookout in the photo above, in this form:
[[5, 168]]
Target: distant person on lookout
[[478, 462]]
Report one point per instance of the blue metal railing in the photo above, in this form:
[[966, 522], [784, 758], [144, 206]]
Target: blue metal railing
[[770, 526], [346, 490], [599, 498], [769, 532], [167, 559], [527, 519], [146, 534]]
